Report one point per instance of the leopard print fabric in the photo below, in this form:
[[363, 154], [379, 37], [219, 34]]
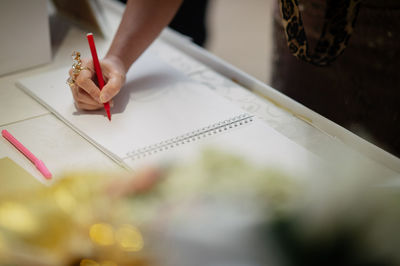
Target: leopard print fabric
[[340, 18]]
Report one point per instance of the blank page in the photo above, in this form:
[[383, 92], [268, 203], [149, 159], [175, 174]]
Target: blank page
[[157, 104]]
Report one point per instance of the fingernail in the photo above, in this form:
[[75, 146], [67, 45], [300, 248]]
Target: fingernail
[[103, 98]]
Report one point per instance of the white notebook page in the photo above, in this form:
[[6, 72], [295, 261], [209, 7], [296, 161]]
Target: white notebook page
[[157, 103]]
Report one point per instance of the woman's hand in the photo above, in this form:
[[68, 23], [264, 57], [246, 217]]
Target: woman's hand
[[86, 92], [142, 22]]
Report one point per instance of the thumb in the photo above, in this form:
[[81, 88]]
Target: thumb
[[112, 87]]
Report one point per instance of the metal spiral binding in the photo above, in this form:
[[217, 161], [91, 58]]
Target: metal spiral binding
[[191, 136]]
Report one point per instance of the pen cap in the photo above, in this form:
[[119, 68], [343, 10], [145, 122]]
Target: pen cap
[[43, 169]]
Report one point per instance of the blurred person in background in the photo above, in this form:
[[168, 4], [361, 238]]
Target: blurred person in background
[[191, 20], [347, 56]]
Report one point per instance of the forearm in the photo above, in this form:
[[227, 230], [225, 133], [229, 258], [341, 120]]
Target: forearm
[[142, 22]]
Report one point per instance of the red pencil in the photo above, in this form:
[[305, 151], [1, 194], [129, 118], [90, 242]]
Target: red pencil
[[97, 68]]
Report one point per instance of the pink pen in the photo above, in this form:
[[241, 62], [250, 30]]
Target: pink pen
[[38, 163]]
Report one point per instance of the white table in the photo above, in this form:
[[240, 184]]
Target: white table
[[55, 142]]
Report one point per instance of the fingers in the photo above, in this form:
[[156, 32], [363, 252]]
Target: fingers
[[84, 81], [84, 106], [85, 92], [83, 100]]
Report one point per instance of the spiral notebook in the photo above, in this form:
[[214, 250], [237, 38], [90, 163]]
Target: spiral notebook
[[161, 114]]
